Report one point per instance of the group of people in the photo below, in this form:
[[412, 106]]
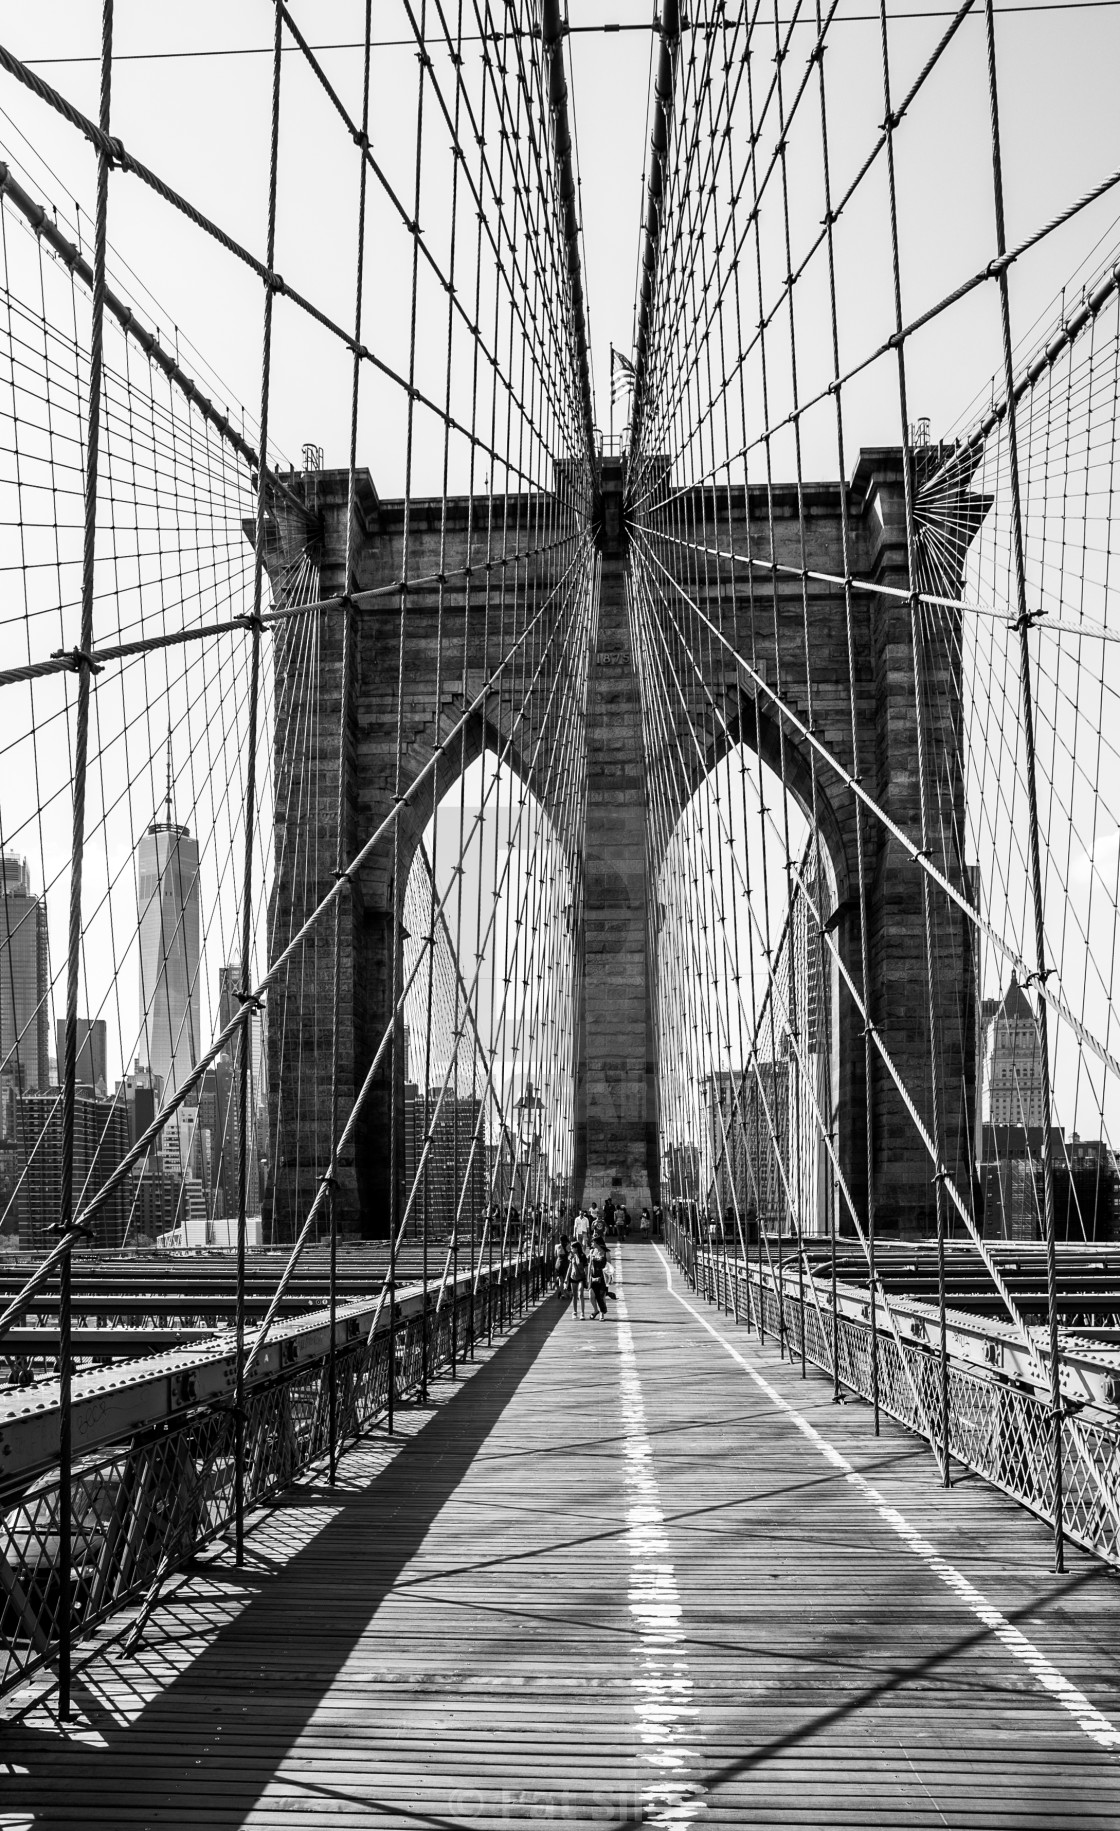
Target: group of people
[[582, 1269]]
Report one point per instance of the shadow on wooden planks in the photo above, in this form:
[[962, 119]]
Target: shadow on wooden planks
[[265, 1672]]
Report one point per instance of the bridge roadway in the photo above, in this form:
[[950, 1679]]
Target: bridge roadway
[[621, 1573]]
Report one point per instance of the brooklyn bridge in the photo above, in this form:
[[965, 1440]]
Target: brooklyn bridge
[[620, 828]]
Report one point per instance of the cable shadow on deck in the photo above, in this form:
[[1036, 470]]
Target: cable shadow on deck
[[220, 1729]]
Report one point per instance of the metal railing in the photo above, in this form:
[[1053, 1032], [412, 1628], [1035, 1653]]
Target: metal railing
[[999, 1427], [143, 1505]]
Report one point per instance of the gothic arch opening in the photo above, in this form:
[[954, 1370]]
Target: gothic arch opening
[[746, 1001], [489, 973]]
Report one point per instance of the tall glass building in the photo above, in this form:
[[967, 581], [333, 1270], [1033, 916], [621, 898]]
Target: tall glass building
[[24, 982], [167, 894]]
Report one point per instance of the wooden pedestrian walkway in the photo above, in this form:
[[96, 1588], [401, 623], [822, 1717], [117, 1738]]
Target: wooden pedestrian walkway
[[630, 1572]]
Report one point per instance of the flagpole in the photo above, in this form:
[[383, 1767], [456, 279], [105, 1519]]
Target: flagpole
[[612, 399]]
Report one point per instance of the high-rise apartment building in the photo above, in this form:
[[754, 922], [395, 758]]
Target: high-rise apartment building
[[100, 1142], [24, 984], [167, 894]]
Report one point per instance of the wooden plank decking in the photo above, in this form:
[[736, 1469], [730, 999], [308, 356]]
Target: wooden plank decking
[[611, 1579]]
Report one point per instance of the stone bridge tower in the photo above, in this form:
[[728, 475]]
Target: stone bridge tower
[[617, 1146]]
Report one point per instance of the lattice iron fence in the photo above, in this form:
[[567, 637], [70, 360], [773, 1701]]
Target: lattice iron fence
[[997, 1428], [143, 1508]]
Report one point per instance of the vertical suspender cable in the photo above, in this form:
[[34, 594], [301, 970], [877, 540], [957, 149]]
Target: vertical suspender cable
[[917, 657], [1041, 969], [348, 585], [250, 810], [74, 936]]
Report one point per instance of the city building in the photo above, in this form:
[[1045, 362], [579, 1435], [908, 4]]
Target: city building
[[225, 1146], [450, 1172], [767, 1125], [1011, 1074], [140, 1093], [92, 1054], [167, 892], [681, 1172], [724, 1105], [100, 1144], [24, 987]]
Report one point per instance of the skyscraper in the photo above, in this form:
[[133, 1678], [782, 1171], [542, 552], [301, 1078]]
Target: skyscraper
[[227, 1144], [167, 894], [24, 1029]]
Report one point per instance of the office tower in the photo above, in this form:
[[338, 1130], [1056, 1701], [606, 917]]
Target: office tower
[[225, 1147], [24, 1029], [227, 1143], [455, 1180], [140, 1093], [92, 1058], [766, 1111], [1012, 1073], [168, 905]]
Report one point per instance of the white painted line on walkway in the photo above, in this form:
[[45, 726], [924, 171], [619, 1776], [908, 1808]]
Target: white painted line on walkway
[[666, 1712], [1094, 1723]]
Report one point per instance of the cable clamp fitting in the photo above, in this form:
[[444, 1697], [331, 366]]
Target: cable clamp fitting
[[72, 1232], [1039, 977], [78, 659], [254, 621], [1027, 621], [249, 1001]]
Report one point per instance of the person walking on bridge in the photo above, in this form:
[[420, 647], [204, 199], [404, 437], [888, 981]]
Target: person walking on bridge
[[577, 1279], [597, 1277]]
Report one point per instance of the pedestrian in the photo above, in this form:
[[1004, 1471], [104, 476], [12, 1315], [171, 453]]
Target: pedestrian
[[644, 1224], [598, 1269], [608, 1215], [582, 1227], [560, 1267], [577, 1279]]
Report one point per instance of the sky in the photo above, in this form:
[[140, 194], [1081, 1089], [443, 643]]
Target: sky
[[201, 121]]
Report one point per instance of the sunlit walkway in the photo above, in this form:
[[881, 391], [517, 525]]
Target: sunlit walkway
[[612, 1578]]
